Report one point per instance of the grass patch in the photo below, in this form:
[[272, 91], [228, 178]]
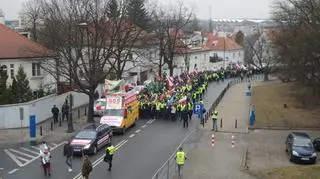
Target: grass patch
[[269, 100], [295, 172]]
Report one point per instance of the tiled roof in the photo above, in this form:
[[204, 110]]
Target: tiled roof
[[16, 46], [217, 43]]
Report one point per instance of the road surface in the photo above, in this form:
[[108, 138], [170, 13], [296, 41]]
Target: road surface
[[141, 151]]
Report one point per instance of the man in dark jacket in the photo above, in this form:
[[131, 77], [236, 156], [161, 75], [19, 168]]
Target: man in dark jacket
[[68, 153], [55, 113], [65, 110]]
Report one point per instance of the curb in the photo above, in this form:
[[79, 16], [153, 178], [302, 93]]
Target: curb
[[282, 128]]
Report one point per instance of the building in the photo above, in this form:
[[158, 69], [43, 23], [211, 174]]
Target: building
[[210, 51], [16, 50]]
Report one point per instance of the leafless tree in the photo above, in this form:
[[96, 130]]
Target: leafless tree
[[260, 52], [83, 36], [168, 25], [31, 17]]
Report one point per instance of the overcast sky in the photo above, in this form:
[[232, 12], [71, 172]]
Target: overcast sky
[[219, 8]]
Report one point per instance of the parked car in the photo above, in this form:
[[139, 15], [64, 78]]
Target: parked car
[[91, 139], [99, 107], [299, 148], [316, 143]]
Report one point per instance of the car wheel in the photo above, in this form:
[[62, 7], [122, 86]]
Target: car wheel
[[123, 130]]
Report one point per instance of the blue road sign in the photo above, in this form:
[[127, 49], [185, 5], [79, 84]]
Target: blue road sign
[[198, 108]]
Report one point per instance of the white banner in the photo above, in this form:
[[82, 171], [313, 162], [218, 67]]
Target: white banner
[[113, 86], [114, 102]]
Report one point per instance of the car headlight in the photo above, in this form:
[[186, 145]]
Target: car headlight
[[314, 154], [295, 153], [87, 146]]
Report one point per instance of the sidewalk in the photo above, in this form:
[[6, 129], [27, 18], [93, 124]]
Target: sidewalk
[[222, 161], [11, 137]]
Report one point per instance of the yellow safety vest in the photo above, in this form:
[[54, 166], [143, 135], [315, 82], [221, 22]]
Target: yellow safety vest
[[111, 149], [214, 116], [190, 106], [158, 106], [183, 107], [180, 158]]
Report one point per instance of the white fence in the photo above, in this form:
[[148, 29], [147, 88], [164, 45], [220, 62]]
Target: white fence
[[41, 108]]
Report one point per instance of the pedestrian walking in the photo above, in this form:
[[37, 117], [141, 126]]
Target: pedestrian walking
[[184, 115], [214, 117], [65, 110], [86, 167], [68, 153], [45, 161], [110, 150], [173, 112], [180, 160], [55, 112]]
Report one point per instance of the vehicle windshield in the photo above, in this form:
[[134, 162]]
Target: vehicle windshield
[[100, 103], [114, 112], [86, 135], [302, 143]]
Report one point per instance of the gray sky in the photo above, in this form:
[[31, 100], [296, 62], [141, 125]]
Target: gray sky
[[219, 8]]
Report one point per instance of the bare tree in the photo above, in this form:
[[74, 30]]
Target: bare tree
[[168, 25], [83, 36], [31, 17], [298, 42], [261, 52]]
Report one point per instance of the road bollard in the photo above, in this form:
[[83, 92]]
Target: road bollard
[[78, 113], [221, 123], [40, 130], [232, 141], [85, 111], [212, 140], [236, 124]]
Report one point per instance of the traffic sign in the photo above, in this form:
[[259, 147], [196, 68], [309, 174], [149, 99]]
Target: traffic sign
[[198, 108]]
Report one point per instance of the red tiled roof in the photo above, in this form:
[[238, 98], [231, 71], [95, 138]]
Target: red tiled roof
[[220, 43], [16, 46]]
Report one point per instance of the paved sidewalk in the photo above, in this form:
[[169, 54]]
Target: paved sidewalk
[[11, 137], [222, 161]]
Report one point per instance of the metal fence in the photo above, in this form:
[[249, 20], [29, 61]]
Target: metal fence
[[169, 169]]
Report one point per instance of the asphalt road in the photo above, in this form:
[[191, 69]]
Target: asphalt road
[[141, 151]]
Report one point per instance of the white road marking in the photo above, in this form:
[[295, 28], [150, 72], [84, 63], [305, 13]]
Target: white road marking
[[1, 168], [23, 159], [152, 121], [144, 126], [31, 151], [100, 159], [132, 135], [149, 122], [13, 157], [37, 148], [137, 131], [21, 153], [12, 171]]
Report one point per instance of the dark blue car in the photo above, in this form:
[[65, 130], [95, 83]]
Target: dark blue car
[[300, 148]]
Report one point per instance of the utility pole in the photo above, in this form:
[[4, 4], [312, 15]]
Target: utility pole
[[210, 20], [224, 52]]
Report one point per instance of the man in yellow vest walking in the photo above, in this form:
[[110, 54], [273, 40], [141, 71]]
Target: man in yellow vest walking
[[110, 150], [214, 117], [180, 159]]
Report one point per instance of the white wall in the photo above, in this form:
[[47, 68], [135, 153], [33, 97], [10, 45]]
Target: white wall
[[202, 60], [9, 114], [34, 81]]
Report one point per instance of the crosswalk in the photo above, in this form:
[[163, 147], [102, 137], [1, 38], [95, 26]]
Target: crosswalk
[[24, 155]]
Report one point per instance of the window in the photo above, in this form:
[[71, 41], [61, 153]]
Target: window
[[12, 70], [36, 69]]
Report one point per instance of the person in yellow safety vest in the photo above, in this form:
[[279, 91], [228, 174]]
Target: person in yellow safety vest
[[110, 150], [179, 112], [163, 109], [214, 117], [194, 97], [158, 109], [180, 160], [190, 109]]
